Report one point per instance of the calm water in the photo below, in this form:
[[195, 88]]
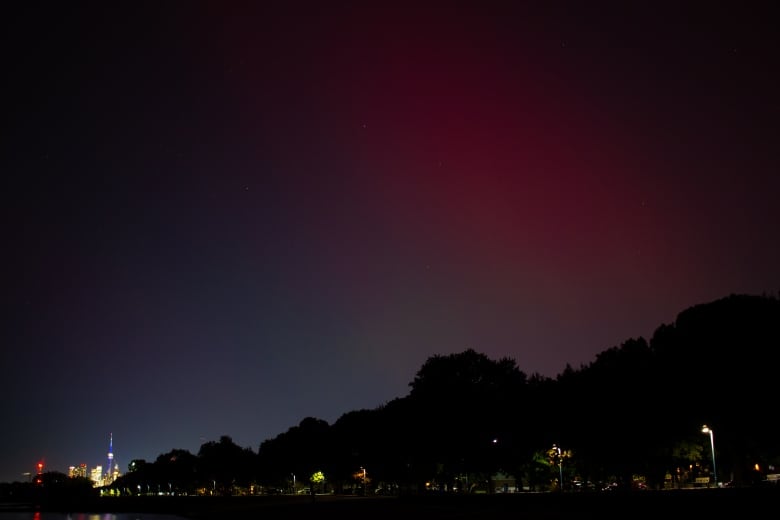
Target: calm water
[[37, 515]]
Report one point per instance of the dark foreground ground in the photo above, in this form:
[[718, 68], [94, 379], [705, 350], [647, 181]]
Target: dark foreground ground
[[658, 505]]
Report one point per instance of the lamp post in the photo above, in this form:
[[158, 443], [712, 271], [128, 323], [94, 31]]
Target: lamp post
[[557, 449], [707, 429]]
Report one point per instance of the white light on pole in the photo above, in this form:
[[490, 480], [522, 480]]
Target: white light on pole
[[557, 449], [707, 429]]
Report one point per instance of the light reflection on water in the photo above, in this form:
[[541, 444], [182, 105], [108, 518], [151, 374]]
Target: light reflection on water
[[38, 515], [111, 516]]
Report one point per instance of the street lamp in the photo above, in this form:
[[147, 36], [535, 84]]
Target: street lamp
[[707, 429], [560, 463]]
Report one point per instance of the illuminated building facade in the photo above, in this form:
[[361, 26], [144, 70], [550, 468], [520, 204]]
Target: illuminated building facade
[[78, 471], [96, 476]]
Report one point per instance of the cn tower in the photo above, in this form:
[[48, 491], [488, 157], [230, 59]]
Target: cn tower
[[109, 468]]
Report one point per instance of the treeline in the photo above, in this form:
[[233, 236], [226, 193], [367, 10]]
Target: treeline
[[634, 414]]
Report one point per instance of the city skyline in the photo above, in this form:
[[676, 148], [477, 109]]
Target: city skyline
[[97, 473]]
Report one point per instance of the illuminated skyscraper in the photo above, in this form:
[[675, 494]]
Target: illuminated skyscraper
[[78, 471], [110, 474], [96, 475]]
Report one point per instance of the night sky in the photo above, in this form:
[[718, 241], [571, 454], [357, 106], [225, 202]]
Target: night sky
[[220, 218]]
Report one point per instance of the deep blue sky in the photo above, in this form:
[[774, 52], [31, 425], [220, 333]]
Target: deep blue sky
[[221, 218]]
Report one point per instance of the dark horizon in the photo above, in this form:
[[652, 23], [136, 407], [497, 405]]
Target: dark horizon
[[568, 367], [697, 344]]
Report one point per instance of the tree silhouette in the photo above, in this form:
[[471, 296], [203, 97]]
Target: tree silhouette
[[636, 411], [226, 465]]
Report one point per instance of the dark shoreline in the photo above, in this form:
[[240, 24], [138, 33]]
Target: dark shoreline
[[664, 505]]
